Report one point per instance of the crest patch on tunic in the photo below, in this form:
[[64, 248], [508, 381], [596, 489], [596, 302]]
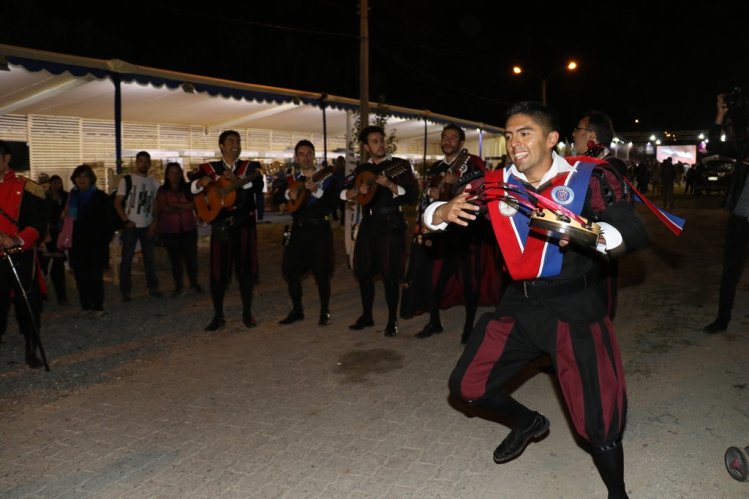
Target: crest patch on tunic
[[508, 206], [562, 195]]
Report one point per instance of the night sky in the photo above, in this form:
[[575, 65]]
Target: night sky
[[637, 60]]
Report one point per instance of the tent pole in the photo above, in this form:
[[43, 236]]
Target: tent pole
[[324, 131], [424, 164], [117, 122]]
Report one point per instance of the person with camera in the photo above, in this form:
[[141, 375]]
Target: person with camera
[[731, 118]]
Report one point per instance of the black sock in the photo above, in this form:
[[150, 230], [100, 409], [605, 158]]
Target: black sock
[[609, 459]]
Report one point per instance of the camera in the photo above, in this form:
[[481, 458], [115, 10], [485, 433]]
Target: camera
[[734, 99]]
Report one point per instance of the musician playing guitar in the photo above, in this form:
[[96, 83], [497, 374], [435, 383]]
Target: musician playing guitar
[[380, 243], [233, 230], [311, 244], [458, 267]]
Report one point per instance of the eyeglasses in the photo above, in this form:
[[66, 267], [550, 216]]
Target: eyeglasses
[[581, 128]]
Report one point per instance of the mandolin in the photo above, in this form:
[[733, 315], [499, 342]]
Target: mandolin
[[302, 193], [398, 167], [221, 194]]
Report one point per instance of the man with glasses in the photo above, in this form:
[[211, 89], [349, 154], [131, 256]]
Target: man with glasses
[[592, 137]]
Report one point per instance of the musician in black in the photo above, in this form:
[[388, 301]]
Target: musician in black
[[460, 266], [380, 242], [312, 198], [233, 231], [593, 136]]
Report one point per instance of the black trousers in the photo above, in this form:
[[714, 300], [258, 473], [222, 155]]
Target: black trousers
[[90, 283], [735, 253], [234, 248], [25, 264], [182, 249]]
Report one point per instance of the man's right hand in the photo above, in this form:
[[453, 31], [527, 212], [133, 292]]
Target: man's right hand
[[459, 210]]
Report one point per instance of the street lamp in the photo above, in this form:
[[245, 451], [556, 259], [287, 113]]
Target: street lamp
[[571, 66]]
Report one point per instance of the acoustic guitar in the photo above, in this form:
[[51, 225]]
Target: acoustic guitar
[[220, 194], [366, 177], [438, 181], [302, 192]]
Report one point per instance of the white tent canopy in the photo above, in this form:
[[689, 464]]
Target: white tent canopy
[[39, 83]]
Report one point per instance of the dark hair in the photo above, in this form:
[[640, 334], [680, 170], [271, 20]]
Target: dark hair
[[55, 177], [453, 126], [600, 123], [364, 134], [227, 133], [303, 143], [143, 154], [83, 169], [4, 148], [541, 114], [181, 184]]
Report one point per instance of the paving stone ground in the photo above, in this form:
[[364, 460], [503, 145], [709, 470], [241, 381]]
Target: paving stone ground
[[144, 403]]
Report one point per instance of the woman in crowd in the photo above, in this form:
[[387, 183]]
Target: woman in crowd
[[53, 260], [92, 232], [178, 227]]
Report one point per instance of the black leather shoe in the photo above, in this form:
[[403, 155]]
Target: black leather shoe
[[429, 330], [249, 321], [324, 319], [391, 329], [216, 324], [361, 323], [33, 361], [292, 316], [514, 444], [717, 326]]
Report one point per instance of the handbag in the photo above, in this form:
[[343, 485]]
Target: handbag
[[65, 238]]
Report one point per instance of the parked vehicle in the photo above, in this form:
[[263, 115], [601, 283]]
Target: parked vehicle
[[714, 175]]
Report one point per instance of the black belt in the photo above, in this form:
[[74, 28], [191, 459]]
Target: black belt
[[234, 220], [549, 288], [381, 211]]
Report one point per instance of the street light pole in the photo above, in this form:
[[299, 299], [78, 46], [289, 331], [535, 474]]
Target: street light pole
[[543, 91], [571, 66]]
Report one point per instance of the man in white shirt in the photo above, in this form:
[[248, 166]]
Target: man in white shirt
[[137, 209]]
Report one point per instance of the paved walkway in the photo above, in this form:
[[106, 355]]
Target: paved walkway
[[143, 403]]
